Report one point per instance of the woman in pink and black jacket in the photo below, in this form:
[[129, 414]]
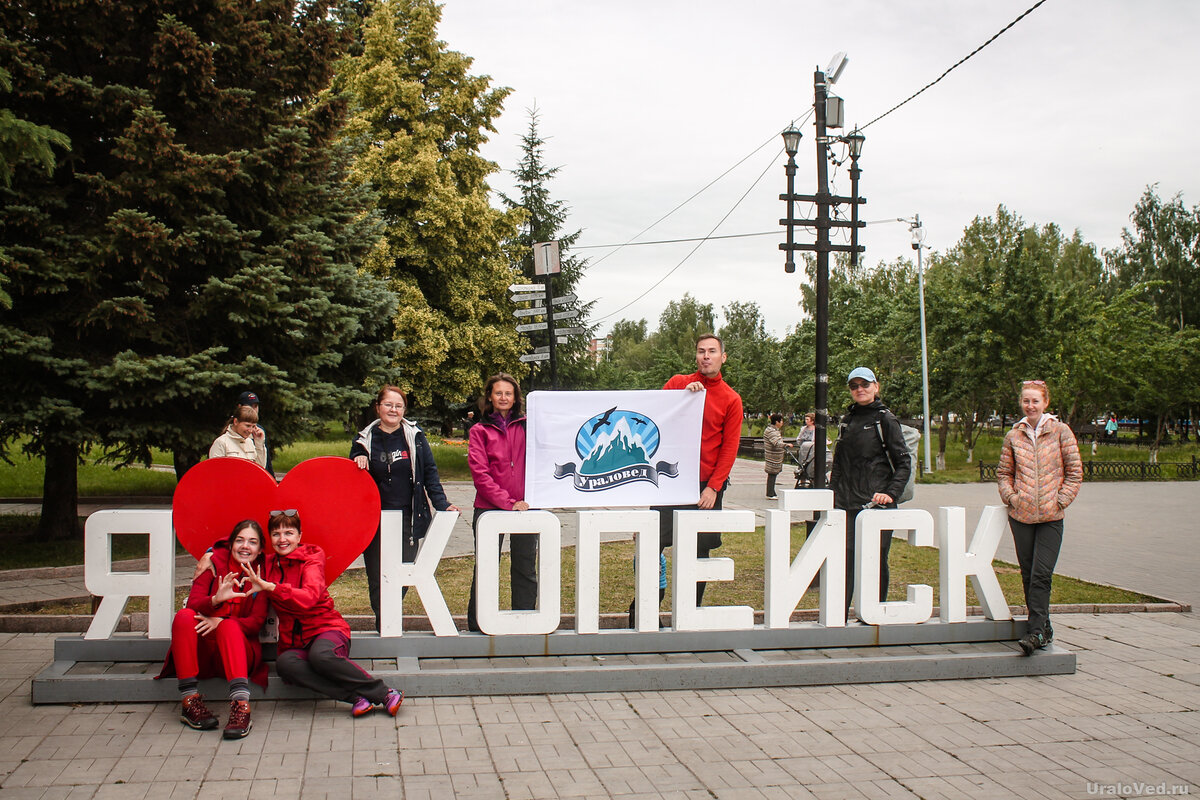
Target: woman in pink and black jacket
[[496, 456], [1039, 475]]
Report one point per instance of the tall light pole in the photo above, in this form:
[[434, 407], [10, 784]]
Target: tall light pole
[[828, 110], [918, 244]]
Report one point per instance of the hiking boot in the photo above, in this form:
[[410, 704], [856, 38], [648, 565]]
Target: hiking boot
[[239, 719], [196, 715], [362, 706], [1030, 642], [393, 701], [1047, 635]]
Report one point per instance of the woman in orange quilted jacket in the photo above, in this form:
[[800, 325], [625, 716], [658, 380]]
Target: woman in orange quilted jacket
[[1039, 475]]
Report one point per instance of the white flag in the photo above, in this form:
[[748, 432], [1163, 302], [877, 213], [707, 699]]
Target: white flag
[[605, 449]]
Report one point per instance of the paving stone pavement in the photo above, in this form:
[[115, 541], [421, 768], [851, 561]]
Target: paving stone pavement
[[1127, 724], [1127, 720]]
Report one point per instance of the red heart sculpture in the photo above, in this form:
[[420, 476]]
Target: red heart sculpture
[[337, 501]]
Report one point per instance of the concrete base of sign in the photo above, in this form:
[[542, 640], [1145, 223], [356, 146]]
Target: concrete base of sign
[[121, 669]]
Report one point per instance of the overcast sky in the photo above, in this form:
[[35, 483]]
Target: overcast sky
[[1065, 118]]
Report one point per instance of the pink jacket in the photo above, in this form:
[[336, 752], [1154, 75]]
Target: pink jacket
[[497, 460], [1039, 479]]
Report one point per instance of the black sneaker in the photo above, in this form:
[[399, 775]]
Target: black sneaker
[[196, 715]]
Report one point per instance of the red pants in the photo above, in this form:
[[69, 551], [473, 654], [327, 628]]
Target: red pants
[[223, 652]]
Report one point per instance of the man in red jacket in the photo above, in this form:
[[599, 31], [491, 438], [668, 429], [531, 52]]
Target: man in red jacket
[[720, 435]]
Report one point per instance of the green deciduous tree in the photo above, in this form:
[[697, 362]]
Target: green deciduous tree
[[197, 239], [418, 122], [754, 367]]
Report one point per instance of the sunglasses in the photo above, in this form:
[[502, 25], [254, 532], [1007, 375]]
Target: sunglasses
[[287, 512], [854, 387]]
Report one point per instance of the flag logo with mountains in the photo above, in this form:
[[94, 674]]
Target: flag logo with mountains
[[616, 448]]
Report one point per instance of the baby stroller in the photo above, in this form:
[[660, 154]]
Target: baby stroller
[[803, 459]]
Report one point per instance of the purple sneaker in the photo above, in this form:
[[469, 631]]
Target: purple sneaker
[[393, 701], [362, 706]]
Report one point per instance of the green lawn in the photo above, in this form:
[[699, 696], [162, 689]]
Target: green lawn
[[23, 478]]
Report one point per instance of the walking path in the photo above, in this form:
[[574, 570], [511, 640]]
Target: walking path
[[1130, 718], [1126, 725]]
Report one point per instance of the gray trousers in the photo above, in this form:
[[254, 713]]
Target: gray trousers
[[325, 667]]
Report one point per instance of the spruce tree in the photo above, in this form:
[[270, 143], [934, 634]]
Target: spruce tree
[[197, 240], [545, 218], [418, 122]]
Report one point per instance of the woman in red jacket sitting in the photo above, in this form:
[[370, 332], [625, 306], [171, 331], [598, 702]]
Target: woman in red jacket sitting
[[314, 639], [216, 633]]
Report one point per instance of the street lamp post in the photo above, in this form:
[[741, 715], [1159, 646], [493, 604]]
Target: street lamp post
[[918, 239], [823, 101], [791, 145], [854, 142]]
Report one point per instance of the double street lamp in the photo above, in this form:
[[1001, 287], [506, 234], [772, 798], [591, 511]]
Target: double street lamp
[[828, 114]]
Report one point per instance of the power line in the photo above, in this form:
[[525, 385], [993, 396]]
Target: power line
[[1028, 11], [699, 243], [676, 241], [706, 187]]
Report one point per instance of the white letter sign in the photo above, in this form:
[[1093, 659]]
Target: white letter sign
[[868, 528], [690, 570], [959, 563], [544, 618], [158, 583]]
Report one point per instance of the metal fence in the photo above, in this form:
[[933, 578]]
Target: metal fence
[[1121, 470]]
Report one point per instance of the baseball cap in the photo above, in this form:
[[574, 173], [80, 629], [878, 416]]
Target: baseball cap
[[862, 372], [247, 399]]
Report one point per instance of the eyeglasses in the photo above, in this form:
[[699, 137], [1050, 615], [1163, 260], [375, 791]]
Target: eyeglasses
[[287, 512], [857, 387], [392, 406], [1033, 383]]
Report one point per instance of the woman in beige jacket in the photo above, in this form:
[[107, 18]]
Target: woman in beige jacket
[[773, 447], [1039, 475], [242, 438]]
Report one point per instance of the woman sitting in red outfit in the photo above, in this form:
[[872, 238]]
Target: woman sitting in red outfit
[[216, 633], [314, 639]]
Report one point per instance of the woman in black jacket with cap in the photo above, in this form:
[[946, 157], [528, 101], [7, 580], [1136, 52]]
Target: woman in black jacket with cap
[[870, 467]]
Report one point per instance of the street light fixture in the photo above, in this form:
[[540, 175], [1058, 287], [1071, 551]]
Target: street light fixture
[[791, 141], [855, 142]]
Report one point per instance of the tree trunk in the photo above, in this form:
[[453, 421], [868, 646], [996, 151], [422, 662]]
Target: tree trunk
[[1159, 429], [185, 459], [60, 493]]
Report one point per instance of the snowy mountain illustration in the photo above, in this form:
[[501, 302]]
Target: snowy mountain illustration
[[620, 448]]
